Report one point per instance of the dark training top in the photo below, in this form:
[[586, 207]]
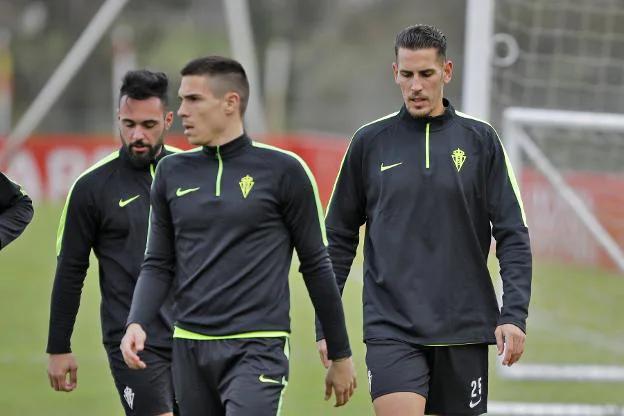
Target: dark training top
[[223, 226], [427, 190], [107, 210], [16, 211]]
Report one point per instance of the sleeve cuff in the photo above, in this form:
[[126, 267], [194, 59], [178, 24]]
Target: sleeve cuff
[[521, 325]]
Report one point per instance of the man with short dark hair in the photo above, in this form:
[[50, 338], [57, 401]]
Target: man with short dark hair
[[428, 181], [107, 210], [225, 219], [16, 210]]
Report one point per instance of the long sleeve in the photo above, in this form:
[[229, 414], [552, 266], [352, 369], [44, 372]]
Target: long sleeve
[[304, 218], [76, 235], [345, 216], [16, 211], [510, 231], [157, 270], [346, 212]]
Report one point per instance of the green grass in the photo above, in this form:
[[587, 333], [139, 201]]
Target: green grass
[[574, 319]]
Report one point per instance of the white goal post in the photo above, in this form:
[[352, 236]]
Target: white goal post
[[523, 150], [518, 141], [543, 409], [552, 61]]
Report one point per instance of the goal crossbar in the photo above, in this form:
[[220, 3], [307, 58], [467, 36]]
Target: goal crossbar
[[518, 141]]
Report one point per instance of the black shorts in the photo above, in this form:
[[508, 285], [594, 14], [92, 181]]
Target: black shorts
[[237, 377], [453, 379], [146, 392]]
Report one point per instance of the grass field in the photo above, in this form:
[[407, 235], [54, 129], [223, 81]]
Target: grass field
[[576, 317]]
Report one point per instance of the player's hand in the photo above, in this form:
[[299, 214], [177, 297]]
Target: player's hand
[[510, 341], [63, 372], [132, 343], [321, 346], [341, 378]]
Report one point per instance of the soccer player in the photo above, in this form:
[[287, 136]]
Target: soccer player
[[107, 210], [427, 181], [224, 221], [16, 210]]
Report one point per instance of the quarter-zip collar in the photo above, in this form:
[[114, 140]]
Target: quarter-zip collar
[[230, 149], [435, 123]]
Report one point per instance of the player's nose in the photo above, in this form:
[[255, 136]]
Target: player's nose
[[182, 111], [137, 134], [416, 85]]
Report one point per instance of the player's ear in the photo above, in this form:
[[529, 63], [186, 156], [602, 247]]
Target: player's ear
[[395, 72], [168, 120], [231, 102], [447, 74]]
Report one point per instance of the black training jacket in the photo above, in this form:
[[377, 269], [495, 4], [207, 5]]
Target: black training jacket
[[107, 210], [223, 226], [432, 193], [16, 210]]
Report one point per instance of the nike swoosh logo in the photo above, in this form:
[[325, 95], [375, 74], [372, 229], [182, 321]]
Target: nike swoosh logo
[[182, 192], [264, 379], [123, 203], [472, 405], [390, 166]]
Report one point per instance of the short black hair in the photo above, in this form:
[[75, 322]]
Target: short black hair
[[141, 84], [421, 37], [230, 72]]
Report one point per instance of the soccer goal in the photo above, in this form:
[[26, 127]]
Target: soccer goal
[[557, 99], [573, 178]]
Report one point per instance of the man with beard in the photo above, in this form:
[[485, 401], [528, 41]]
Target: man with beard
[[107, 210], [16, 210]]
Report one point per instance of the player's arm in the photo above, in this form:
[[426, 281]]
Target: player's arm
[[513, 250], [345, 216], [304, 218], [157, 272], [76, 235], [16, 211], [346, 211]]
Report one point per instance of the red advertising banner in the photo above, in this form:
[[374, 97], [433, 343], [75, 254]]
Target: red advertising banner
[[557, 233], [48, 165]]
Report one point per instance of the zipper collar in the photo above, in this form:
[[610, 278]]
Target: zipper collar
[[229, 149], [435, 123]]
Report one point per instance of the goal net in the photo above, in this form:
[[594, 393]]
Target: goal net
[[559, 54], [558, 102]]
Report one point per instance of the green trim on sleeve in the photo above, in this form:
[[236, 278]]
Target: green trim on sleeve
[[331, 197], [317, 199], [61, 227], [510, 171]]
